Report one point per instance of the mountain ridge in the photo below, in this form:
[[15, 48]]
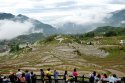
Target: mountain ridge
[[38, 26]]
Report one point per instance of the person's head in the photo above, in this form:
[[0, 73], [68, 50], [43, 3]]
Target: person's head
[[65, 72], [26, 71], [48, 69], [114, 75], [99, 76], [74, 69], [94, 73], [41, 69], [18, 69], [105, 75], [54, 70], [31, 72], [5, 77]]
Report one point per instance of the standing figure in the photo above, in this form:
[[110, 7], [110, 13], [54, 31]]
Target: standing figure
[[56, 76], [42, 75], [48, 75], [33, 77], [66, 77], [92, 77], [12, 77], [27, 76], [75, 75]]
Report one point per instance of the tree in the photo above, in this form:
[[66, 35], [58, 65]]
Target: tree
[[14, 47], [89, 34], [110, 33]]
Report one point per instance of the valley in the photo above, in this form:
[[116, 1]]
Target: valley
[[67, 55]]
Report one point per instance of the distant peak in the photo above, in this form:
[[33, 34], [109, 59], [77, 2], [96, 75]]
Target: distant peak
[[20, 15], [6, 16]]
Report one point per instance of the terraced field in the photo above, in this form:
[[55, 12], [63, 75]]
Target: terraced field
[[57, 56]]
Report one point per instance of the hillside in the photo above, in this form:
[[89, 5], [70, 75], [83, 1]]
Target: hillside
[[63, 52], [29, 38], [106, 31]]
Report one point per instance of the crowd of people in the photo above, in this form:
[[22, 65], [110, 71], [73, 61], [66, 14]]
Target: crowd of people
[[19, 77], [30, 77], [46, 77], [103, 78]]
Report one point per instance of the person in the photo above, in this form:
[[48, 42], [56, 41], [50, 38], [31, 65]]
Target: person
[[19, 73], [27, 76], [105, 75], [33, 77], [98, 78], [66, 77], [92, 77], [42, 75], [104, 78], [56, 76], [22, 78], [113, 79], [5, 80], [1, 80], [75, 75], [48, 75], [12, 77]]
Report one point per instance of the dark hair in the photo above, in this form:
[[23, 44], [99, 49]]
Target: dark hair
[[114, 75], [41, 69], [99, 76], [65, 73], [94, 73], [31, 72], [48, 69], [105, 75], [74, 69], [18, 69], [5, 77]]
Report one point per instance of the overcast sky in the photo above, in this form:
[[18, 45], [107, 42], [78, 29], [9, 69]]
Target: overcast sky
[[57, 11]]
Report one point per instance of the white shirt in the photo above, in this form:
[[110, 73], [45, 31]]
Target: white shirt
[[112, 79], [18, 74]]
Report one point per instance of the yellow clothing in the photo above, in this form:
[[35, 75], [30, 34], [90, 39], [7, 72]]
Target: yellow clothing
[[48, 73]]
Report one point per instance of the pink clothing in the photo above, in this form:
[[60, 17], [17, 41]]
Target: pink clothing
[[75, 74]]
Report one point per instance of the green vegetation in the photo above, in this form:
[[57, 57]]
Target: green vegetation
[[109, 31], [89, 34]]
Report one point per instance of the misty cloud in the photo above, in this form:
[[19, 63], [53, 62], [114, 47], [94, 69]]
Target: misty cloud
[[61, 11], [118, 2], [10, 29]]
